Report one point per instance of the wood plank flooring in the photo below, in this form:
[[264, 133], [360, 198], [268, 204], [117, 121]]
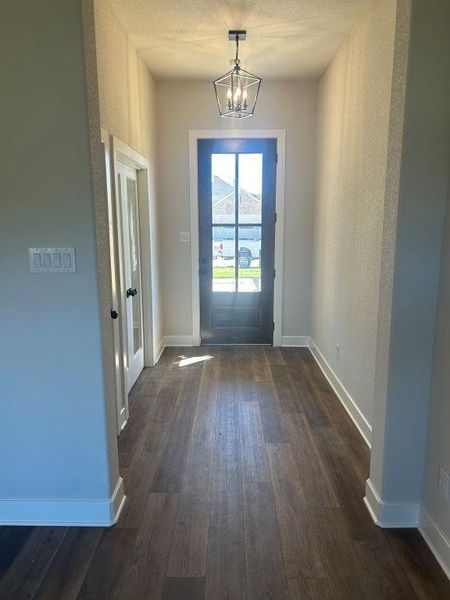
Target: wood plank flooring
[[244, 479]]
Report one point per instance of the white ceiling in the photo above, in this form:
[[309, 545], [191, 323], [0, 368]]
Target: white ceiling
[[286, 39]]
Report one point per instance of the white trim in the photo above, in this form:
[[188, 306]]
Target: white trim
[[280, 136], [347, 401], [159, 350], [436, 539], [127, 155], [295, 341], [390, 514], [178, 340], [79, 513]]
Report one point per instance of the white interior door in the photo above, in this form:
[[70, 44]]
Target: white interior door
[[132, 288], [121, 396]]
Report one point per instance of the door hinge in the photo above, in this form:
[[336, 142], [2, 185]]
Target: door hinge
[[276, 158], [274, 273], [273, 326], [275, 217]]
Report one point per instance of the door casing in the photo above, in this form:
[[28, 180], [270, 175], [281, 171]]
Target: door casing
[[121, 153], [280, 136]]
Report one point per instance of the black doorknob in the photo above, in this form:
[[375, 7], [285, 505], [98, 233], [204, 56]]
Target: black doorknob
[[114, 314], [131, 292]]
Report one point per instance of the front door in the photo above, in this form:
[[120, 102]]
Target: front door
[[236, 240], [132, 289]]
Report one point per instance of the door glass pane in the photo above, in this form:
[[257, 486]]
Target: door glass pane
[[223, 259], [249, 259], [250, 188], [134, 262], [223, 186]]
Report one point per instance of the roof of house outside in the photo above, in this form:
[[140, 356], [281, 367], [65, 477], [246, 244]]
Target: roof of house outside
[[223, 203]]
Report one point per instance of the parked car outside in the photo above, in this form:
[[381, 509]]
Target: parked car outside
[[249, 244]]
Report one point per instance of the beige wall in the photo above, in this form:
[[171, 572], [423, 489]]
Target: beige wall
[[285, 105], [128, 106], [353, 121]]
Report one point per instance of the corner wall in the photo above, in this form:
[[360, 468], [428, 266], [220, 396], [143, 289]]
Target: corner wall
[[352, 140], [412, 246], [435, 522], [58, 461]]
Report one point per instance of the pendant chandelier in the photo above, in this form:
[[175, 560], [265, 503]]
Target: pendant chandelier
[[237, 91]]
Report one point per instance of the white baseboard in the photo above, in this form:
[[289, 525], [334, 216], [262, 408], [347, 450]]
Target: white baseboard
[[79, 513], [347, 401], [436, 539], [178, 340], [390, 514], [295, 341], [159, 350]]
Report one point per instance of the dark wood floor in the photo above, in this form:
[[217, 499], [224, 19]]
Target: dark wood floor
[[244, 478]]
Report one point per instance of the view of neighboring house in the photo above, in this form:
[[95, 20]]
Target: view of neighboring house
[[224, 206]]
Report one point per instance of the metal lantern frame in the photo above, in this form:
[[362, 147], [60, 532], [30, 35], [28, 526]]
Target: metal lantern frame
[[237, 80]]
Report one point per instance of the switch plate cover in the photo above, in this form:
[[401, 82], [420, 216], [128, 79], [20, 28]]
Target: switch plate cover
[[52, 260]]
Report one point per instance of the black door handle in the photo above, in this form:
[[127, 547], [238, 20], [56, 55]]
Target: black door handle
[[114, 314], [131, 292]]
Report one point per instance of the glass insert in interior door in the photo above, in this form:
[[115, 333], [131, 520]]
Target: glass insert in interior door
[[134, 261], [223, 258]]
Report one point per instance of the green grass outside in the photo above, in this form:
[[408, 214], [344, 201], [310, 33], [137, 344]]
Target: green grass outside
[[228, 273]]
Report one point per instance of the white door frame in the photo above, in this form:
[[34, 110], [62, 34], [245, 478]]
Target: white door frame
[[122, 153], [280, 136]]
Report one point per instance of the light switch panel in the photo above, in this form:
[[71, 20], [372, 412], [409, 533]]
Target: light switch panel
[[185, 236], [52, 260]]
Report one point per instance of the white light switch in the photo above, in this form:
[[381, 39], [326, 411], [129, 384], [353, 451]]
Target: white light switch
[[52, 260], [185, 236]]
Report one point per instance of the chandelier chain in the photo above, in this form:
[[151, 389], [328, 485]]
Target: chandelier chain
[[236, 60]]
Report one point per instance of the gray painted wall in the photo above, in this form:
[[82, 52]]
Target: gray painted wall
[[400, 419], [54, 441], [438, 443]]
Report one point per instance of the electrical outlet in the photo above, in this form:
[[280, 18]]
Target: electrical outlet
[[338, 351], [443, 484]]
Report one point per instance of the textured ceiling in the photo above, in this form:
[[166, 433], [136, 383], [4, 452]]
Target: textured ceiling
[[286, 39]]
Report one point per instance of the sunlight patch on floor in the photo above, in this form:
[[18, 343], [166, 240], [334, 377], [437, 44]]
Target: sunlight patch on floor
[[184, 361]]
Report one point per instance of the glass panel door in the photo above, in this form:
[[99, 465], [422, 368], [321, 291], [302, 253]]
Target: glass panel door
[[236, 209]]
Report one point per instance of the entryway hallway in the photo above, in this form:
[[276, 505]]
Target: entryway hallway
[[244, 479]]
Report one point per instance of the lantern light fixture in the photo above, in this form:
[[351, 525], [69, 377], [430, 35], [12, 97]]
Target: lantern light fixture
[[237, 91]]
